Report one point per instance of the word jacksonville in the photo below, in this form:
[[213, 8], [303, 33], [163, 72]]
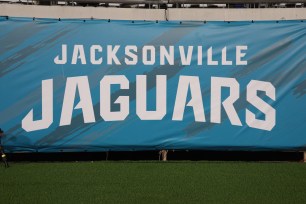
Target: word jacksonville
[[148, 55]]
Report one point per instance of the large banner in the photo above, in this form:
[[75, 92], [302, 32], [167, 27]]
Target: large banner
[[100, 85]]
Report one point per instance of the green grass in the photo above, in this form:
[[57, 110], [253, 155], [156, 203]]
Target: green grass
[[153, 182]]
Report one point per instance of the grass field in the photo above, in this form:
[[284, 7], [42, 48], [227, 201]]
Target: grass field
[[153, 182]]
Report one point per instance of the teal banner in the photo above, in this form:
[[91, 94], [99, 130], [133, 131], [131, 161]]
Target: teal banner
[[98, 85]]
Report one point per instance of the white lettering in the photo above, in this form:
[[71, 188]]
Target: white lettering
[[105, 98], [210, 60], [169, 55], [186, 82], [186, 59], [224, 60], [57, 59], [216, 89], [133, 57], [141, 98], [270, 113], [111, 54], [78, 53], [72, 84], [93, 50], [27, 123], [145, 50], [240, 54]]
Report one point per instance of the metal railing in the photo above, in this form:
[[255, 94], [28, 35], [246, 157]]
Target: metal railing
[[170, 3], [190, 1]]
